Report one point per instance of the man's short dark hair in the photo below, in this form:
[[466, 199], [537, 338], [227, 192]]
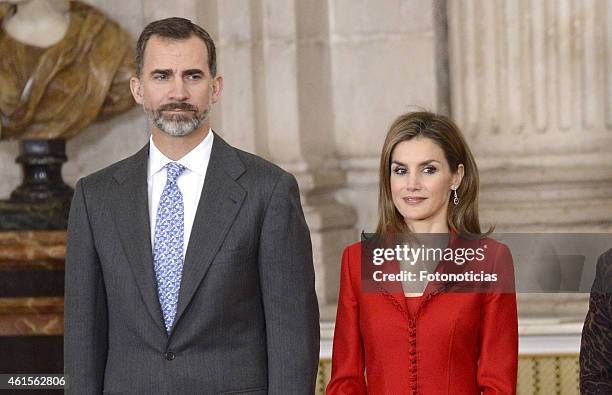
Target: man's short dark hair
[[175, 29]]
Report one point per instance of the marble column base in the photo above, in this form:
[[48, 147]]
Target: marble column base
[[51, 215], [32, 271]]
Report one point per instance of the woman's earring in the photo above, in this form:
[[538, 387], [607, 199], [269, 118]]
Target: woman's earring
[[456, 198]]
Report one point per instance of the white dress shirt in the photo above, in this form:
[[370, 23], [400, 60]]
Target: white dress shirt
[[190, 182]]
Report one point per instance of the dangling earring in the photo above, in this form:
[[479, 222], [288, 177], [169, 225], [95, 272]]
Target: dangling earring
[[456, 198]]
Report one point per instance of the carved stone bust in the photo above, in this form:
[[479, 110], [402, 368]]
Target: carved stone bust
[[64, 64]]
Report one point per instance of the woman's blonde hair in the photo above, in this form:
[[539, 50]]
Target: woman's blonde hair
[[462, 218]]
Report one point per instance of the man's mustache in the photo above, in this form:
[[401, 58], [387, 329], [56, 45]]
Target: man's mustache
[[177, 106]]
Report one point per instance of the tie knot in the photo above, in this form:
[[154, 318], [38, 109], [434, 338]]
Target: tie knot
[[174, 170]]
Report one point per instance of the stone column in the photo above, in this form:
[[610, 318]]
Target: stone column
[[274, 57], [531, 89], [297, 125], [383, 60]]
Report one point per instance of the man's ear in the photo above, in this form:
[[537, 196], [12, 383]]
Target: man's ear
[[136, 88], [217, 87]]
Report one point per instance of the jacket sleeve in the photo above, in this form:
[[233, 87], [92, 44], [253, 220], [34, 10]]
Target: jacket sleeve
[[347, 357], [85, 314], [596, 343], [498, 360], [288, 292]]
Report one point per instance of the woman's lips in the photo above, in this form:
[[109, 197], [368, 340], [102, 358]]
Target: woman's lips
[[413, 201]]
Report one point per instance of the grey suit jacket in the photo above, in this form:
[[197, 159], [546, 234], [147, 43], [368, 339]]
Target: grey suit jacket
[[247, 319]]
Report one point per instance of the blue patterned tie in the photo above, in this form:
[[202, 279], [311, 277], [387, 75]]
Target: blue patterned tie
[[168, 251]]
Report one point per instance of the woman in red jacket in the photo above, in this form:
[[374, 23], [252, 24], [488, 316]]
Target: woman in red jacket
[[439, 341]]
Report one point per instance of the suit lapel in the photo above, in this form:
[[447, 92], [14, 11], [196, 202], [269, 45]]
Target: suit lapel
[[131, 215], [219, 204]]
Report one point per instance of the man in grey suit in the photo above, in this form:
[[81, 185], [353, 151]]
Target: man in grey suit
[[189, 265]]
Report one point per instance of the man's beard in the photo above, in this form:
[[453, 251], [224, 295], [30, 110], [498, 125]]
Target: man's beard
[[178, 125]]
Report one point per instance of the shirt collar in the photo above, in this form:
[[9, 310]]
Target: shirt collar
[[196, 160]]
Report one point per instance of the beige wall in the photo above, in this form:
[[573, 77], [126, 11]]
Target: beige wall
[[531, 88], [313, 86]]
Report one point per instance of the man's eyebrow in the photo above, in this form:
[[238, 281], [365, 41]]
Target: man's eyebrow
[[424, 163], [162, 71], [193, 72]]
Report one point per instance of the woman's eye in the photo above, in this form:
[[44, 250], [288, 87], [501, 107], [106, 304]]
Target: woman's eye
[[399, 170], [429, 170]]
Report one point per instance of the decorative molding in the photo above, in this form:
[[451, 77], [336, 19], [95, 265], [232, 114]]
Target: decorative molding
[[531, 66]]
